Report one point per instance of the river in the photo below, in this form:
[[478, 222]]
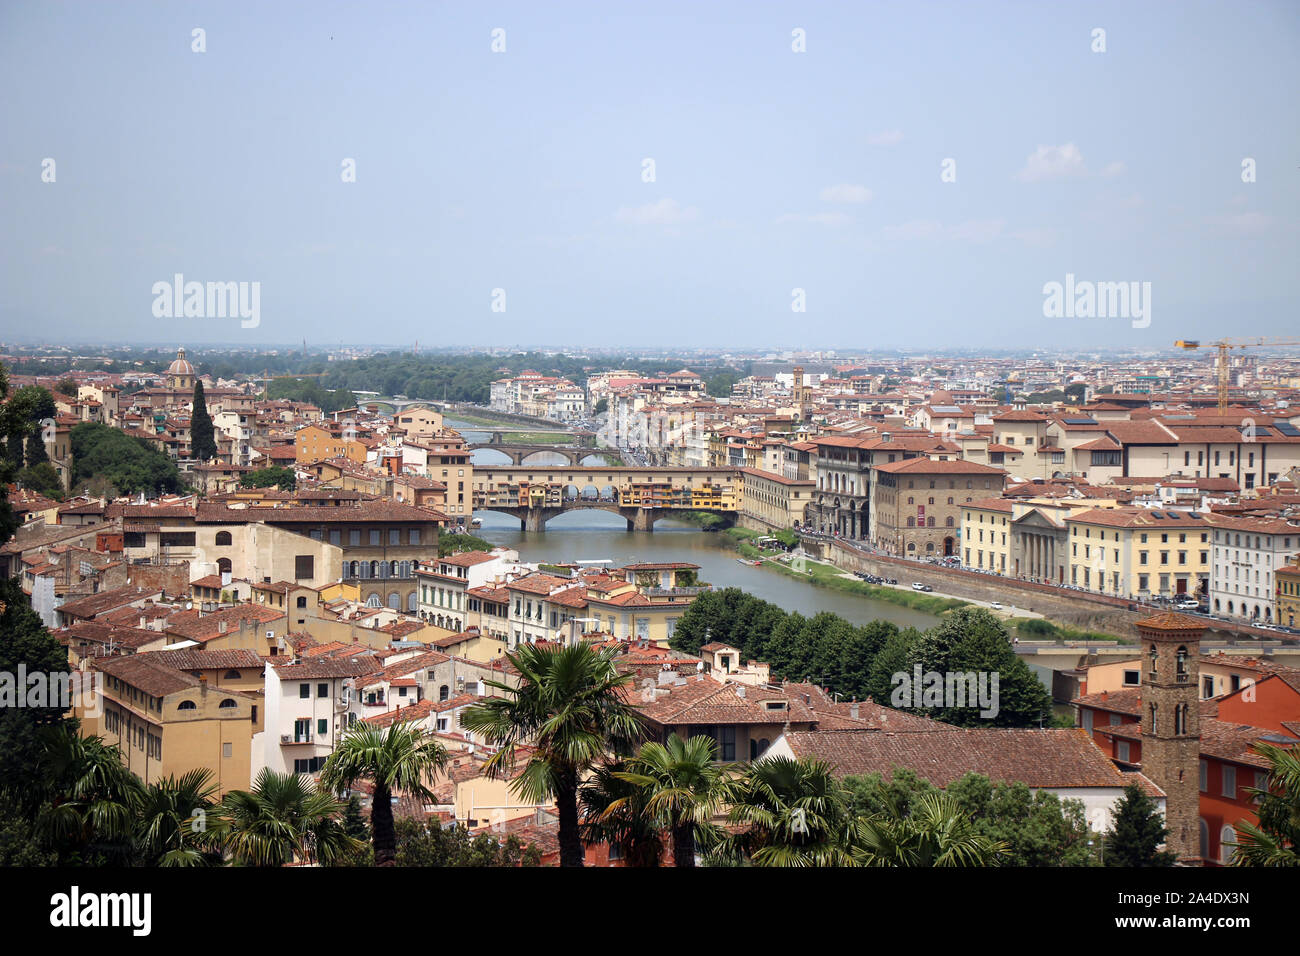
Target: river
[[594, 535]]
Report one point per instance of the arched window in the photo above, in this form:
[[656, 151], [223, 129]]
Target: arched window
[[1227, 847], [929, 546], [227, 704], [230, 675], [411, 600], [929, 522], [224, 540], [394, 600], [444, 692], [947, 522], [302, 602], [1205, 840], [186, 705], [911, 522], [392, 569]]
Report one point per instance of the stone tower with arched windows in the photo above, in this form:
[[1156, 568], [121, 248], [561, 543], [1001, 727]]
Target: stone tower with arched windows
[[1171, 727]]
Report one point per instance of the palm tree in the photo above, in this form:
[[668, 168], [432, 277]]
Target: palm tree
[[570, 707], [172, 826], [684, 788], [89, 796], [614, 812], [399, 758], [284, 816], [795, 813], [933, 831], [1276, 840]]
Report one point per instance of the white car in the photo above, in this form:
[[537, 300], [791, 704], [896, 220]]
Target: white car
[[995, 605]]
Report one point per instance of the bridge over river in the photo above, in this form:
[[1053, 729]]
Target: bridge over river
[[536, 493]]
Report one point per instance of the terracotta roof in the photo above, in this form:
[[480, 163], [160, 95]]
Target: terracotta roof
[[1041, 759]]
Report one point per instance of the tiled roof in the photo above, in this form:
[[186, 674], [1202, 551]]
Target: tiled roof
[[1042, 759], [193, 658], [147, 673]]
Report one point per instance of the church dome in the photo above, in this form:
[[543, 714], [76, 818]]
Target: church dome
[[181, 366]]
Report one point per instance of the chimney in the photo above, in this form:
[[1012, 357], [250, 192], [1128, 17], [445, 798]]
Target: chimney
[[854, 710], [221, 627], [142, 622], [203, 685]]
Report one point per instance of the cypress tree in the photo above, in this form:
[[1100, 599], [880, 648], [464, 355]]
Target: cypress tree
[[1137, 833], [203, 443]]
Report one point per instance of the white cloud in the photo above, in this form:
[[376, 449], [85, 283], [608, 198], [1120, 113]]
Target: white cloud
[[889, 137], [1113, 169], [1053, 162], [665, 212], [846, 193], [819, 218]]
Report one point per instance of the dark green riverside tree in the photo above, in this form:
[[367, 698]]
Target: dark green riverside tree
[[203, 442], [1138, 832], [970, 639]]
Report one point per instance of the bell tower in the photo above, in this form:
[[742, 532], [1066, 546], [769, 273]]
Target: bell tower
[[1171, 723]]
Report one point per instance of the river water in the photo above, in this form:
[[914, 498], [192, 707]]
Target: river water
[[589, 535]]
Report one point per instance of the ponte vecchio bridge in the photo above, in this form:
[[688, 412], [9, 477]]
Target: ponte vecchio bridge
[[535, 494]]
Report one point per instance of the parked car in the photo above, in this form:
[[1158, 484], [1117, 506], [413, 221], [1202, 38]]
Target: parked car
[[995, 605], [918, 586]]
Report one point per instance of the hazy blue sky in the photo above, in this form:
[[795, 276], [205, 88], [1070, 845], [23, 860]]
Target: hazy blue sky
[[774, 170]]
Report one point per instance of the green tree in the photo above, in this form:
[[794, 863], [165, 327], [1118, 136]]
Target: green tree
[[970, 639], [792, 813], [1275, 841], [25, 644], [43, 479], [88, 800], [569, 709], [203, 440], [286, 479], [171, 829], [682, 788], [284, 817], [1137, 833], [399, 758], [424, 845], [21, 419], [101, 453], [613, 811], [932, 831]]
